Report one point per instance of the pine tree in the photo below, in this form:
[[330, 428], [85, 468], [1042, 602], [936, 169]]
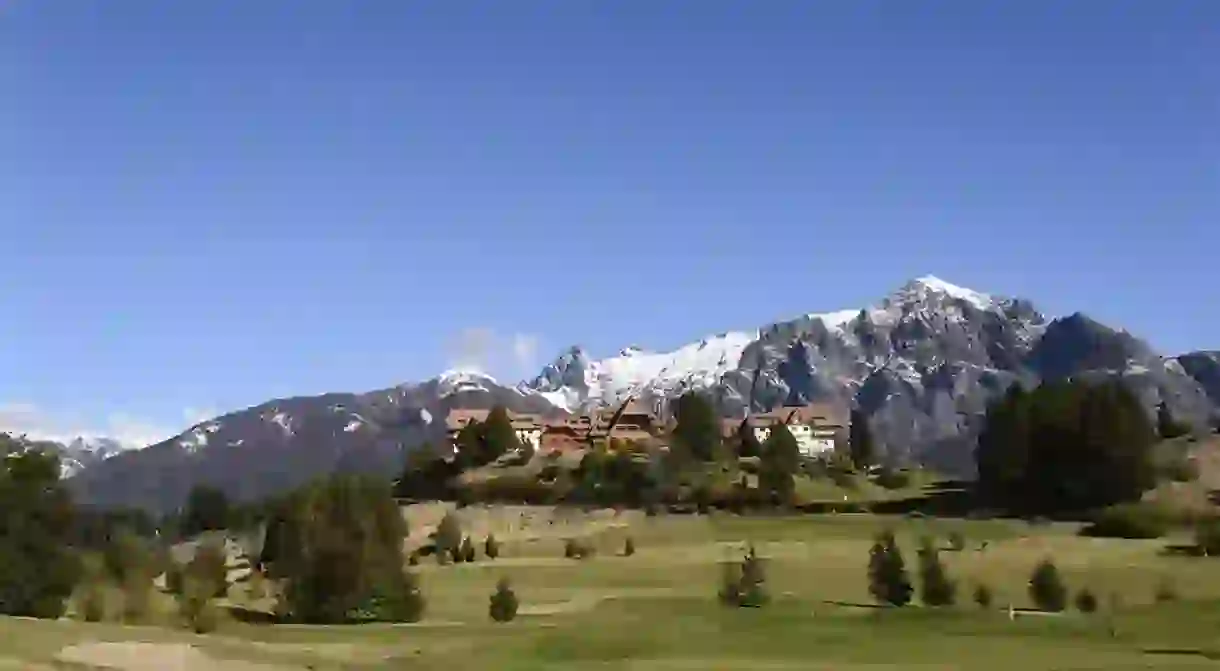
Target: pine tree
[[780, 461], [860, 441], [1046, 588], [468, 552], [448, 534], [1167, 425], [499, 437], [936, 588], [983, 596], [491, 547], [698, 428], [503, 606], [748, 444], [628, 547], [1086, 601], [888, 581]]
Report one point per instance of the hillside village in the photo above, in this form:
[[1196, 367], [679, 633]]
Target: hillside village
[[817, 427]]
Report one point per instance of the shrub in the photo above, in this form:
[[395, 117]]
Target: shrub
[[577, 549], [937, 588], [628, 547], [1165, 591], [1128, 520], [208, 568], [503, 606], [1086, 601], [195, 605], [448, 534], [491, 547], [983, 596], [957, 542], [1207, 536], [893, 479], [744, 585], [1046, 588], [887, 575], [467, 550]]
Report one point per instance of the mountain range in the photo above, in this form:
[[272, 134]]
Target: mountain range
[[921, 364]]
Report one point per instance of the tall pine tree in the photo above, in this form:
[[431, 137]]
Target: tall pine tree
[[780, 461], [888, 581], [860, 441], [698, 427], [499, 437]]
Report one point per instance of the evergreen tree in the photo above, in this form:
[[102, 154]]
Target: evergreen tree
[[1086, 601], [744, 584], [860, 441], [628, 547], [38, 569], [1046, 588], [1167, 425], [448, 534], [468, 553], [983, 596], [491, 547], [468, 445], [888, 581], [780, 461], [206, 509], [698, 427], [503, 606], [1065, 446], [748, 444], [936, 589], [499, 437]]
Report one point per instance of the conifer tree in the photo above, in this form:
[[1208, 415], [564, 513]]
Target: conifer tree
[[491, 547], [936, 589], [860, 441], [748, 444], [780, 461], [503, 606], [499, 437], [1046, 588], [888, 581], [1167, 425], [468, 552], [698, 428]]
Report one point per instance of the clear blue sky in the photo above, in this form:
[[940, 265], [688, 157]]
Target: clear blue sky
[[208, 204]]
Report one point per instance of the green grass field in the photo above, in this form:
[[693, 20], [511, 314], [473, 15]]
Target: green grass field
[[657, 608]]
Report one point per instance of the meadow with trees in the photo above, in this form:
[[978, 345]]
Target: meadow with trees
[[708, 555]]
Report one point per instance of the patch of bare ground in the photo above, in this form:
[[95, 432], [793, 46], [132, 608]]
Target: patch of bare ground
[[139, 656], [513, 523], [589, 600]]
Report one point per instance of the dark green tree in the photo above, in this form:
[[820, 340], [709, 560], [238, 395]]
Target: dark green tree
[[468, 446], [780, 461], [888, 581], [860, 441], [748, 444], [491, 547], [468, 552], [448, 535], [1065, 446], [499, 437], [340, 551], [1167, 426], [206, 509], [936, 588], [698, 427], [744, 584], [1086, 601], [983, 596], [1046, 588], [503, 606], [38, 569]]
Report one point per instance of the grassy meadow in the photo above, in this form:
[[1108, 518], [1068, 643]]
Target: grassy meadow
[[657, 609]]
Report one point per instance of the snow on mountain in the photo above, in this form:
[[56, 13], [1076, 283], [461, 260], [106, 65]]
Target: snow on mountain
[[921, 364]]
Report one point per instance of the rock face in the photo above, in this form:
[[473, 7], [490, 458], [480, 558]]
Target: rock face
[[922, 364]]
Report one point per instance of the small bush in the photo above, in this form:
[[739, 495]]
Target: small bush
[[467, 550], [503, 606], [1207, 536], [1046, 588], [957, 542], [1086, 601], [743, 585], [888, 581], [577, 549], [628, 547], [413, 559], [937, 589], [195, 605], [208, 568], [893, 479], [448, 534], [491, 547], [1165, 592], [983, 596], [1128, 520]]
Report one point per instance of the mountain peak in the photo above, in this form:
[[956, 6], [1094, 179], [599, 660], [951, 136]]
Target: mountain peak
[[921, 286]]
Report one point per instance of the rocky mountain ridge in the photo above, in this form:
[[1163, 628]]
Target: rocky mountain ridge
[[921, 364]]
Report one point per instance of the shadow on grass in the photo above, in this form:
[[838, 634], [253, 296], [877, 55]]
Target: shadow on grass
[[1212, 655], [251, 616], [1182, 550]]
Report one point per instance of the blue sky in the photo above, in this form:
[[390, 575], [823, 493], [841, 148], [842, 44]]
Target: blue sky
[[208, 204]]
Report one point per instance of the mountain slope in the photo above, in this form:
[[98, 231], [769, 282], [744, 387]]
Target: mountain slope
[[921, 363]]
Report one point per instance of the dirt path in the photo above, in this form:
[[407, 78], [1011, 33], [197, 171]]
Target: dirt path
[[134, 656]]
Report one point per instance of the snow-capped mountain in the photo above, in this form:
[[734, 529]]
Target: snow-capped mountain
[[921, 364]]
